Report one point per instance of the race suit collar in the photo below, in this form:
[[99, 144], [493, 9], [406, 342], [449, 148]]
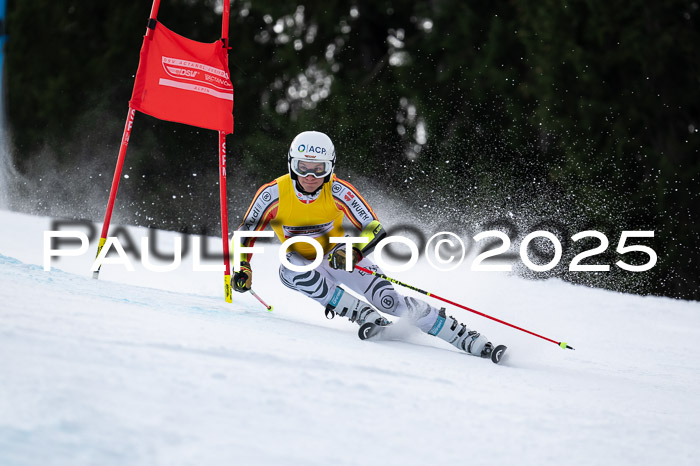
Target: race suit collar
[[303, 195]]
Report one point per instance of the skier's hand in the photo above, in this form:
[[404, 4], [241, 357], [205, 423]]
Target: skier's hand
[[243, 279], [338, 257]]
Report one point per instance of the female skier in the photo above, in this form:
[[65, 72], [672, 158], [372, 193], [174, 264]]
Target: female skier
[[311, 201]]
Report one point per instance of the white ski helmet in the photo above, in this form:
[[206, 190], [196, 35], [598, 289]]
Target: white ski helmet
[[316, 154]]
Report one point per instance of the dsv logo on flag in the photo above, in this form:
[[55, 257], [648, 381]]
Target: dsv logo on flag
[[197, 77]]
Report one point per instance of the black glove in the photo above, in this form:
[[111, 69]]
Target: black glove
[[338, 257], [243, 279]]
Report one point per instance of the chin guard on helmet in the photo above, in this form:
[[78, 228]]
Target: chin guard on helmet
[[311, 153]]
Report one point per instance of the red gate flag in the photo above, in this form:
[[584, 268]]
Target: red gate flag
[[187, 82], [184, 81]]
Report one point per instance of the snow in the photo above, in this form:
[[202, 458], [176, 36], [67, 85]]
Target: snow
[[148, 368]]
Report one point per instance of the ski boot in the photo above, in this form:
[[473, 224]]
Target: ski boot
[[459, 336], [346, 305]]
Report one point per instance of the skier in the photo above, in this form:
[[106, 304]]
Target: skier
[[311, 201]]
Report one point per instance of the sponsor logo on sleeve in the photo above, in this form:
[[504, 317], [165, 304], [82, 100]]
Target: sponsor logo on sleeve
[[359, 210]]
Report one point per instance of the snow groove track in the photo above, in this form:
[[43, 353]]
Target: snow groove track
[[110, 373]]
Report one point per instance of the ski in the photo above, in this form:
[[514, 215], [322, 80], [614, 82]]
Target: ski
[[374, 331], [497, 353], [371, 330]]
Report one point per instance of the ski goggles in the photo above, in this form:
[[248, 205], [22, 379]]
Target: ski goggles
[[317, 168]]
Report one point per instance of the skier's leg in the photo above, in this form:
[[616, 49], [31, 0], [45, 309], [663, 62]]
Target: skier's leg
[[429, 319], [319, 285], [316, 283], [458, 335]]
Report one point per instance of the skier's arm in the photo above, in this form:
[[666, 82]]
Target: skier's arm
[[262, 210], [358, 211], [353, 205]]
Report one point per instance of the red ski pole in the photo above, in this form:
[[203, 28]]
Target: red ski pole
[[269, 308], [380, 275]]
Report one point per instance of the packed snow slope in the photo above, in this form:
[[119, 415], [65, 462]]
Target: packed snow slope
[[148, 368]]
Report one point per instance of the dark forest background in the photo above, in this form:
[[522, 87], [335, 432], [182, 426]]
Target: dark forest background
[[513, 115]]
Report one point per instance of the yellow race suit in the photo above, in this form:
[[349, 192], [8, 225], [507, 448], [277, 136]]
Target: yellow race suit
[[319, 216]]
